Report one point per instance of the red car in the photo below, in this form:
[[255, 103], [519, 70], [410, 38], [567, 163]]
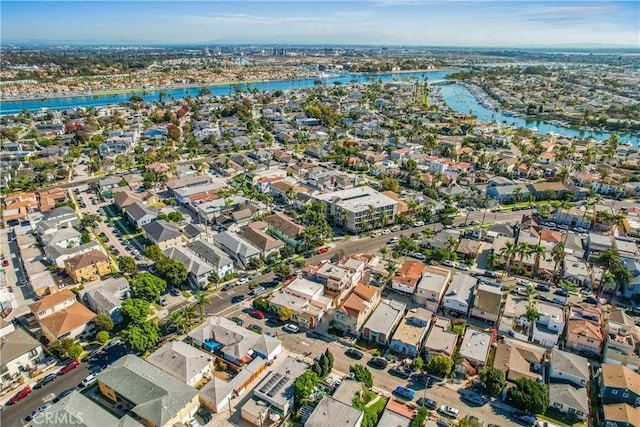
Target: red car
[[5, 263], [257, 314], [69, 367], [323, 250], [20, 395]]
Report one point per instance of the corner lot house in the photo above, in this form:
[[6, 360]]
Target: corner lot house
[[153, 397]]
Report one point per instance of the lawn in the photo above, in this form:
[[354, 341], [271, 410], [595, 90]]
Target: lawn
[[557, 418]]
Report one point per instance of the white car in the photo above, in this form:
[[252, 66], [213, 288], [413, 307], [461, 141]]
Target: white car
[[88, 381], [523, 282], [242, 281], [449, 263], [418, 223], [290, 327], [376, 234], [38, 411], [194, 423], [386, 231], [463, 267], [449, 410]]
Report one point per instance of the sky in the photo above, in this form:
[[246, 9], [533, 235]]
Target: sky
[[472, 23]]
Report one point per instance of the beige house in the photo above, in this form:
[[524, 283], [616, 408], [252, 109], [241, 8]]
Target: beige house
[[487, 303], [583, 335], [356, 308], [60, 315]]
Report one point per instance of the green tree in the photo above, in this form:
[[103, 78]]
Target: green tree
[[391, 184], [418, 363], [103, 322], [419, 419], [154, 253], [255, 263], [439, 366], [281, 271], [175, 273], [330, 357], [493, 381], [148, 287], [285, 313], [134, 310], [363, 374], [202, 301], [61, 347], [141, 336], [75, 351], [127, 265], [102, 337], [529, 395], [260, 304], [175, 216], [303, 386], [286, 251]]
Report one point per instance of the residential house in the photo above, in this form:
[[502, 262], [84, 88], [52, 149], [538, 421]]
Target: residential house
[[139, 214], [60, 315], [63, 238], [152, 397], [584, 336], [276, 390], [550, 324], [359, 209], [48, 198], [19, 353], [285, 228], [88, 266], [190, 181], [182, 361], [238, 345], [475, 347], [441, 341], [212, 255], [162, 233], [619, 384], [432, 287], [336, 280], [305, 298], [106, 296], [569, 368], [569, 400], [508, 193], [457, 301], [514, 322], [57, 255], [198, 270], [411, 333], [255, 233], [518, 359], [576, 271], [237, 248], [74, 408], [356, 308], [487, 303], [341, 414], [620, 415], [407, 277], [383, 321], [621, 341]]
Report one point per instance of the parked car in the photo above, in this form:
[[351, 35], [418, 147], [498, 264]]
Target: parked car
[[448, 263], [257, 314], [378, 362], [354, 354], [561, 292], [242, 281], [238, 321], [91, 379], [69, 367], [418, 223], [237, 298], [290, 327], [463, 267], [425, 379], [45, 380], [405, 393], [542, 297], [427, 403], [257, 290], [559, 300], [38, 411], [524, 418], [393, 241], [20, 395], [163, 302], [473, 398], [386, 231], [449, 411], [5, 263], [491, 274], [323, 250], [543, 288], [523, 282], [64, 394], [401, 371], [591, 300], [175, 292], [194, 423]]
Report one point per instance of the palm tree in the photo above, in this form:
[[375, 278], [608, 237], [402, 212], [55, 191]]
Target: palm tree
[[508, 251], [202, 301], [384, 250], [516, 193], [188, 311], [537, 251], [557, 254], [392, 269], [491, 260], [522, 250]]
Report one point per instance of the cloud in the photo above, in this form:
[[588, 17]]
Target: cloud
[[239, 18]]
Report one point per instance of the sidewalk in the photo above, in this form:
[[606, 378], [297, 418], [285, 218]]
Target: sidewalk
[[28, 382]]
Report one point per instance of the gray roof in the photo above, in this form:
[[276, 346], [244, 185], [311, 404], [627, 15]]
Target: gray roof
[[385, 317], [137, 211], [237, 341], [54, 252], [77, 410], [191, 231], [157, 396], [570, 364], [107, 294], [61, 235], [475, 345], [236, 244], [15, 344], [277, 386], [331, 412], [216, 390], [161, 230], [181, 360], [190, 260], [63, 212], [570, 396], [210, 253], [393, 419]]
